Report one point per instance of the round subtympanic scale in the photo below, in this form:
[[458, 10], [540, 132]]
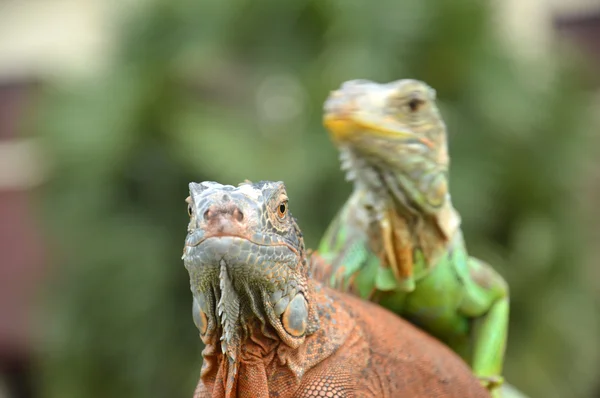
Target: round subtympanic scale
[[295, 316]]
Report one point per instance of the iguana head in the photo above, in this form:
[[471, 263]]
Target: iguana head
[[246, 259], [392, 138], [402, 112]]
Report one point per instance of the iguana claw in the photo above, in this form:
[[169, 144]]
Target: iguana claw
[[492, 384]]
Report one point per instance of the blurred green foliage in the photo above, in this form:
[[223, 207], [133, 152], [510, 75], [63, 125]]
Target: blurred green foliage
[[232, 90]]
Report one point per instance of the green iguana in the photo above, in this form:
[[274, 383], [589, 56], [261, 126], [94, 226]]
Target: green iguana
[[270, 331], [397, 240]]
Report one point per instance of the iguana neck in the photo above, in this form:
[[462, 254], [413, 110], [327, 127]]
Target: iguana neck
[[371, 181], [264, 357], [381, 192]]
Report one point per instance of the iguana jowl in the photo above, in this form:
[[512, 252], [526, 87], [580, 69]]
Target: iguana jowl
[[397, 240], [270, 331]]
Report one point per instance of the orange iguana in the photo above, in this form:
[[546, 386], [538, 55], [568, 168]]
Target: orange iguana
[[271, 331]]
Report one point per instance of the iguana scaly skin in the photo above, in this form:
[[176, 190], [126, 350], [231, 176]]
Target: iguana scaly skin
[[270, 331], [397, 240]]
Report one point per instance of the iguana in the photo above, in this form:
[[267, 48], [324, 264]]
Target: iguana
[[397, 240], [271, 331]]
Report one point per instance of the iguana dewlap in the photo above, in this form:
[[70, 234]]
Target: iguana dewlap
[[270, 331]]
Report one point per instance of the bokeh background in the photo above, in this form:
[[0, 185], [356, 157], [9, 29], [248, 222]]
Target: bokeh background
[[108, 109]]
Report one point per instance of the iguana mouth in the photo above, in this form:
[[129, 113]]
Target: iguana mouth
[[194, 240], [240, 252], [345, 128]]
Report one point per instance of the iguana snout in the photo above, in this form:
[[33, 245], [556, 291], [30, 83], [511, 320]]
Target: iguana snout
[[226, 217]]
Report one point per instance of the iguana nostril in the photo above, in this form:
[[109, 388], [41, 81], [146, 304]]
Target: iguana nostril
[[227, 211], [238, 215]]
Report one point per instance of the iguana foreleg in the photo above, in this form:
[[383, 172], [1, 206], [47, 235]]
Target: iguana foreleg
[[488, 358], [487, 292]]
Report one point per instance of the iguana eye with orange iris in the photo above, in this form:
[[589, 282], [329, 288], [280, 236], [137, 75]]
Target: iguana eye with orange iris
[[282, 209]]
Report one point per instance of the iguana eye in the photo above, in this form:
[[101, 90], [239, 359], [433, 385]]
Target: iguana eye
[[190, 210], [414, 104], [282, 209]]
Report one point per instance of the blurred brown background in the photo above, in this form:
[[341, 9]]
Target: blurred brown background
[[108, 109]]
